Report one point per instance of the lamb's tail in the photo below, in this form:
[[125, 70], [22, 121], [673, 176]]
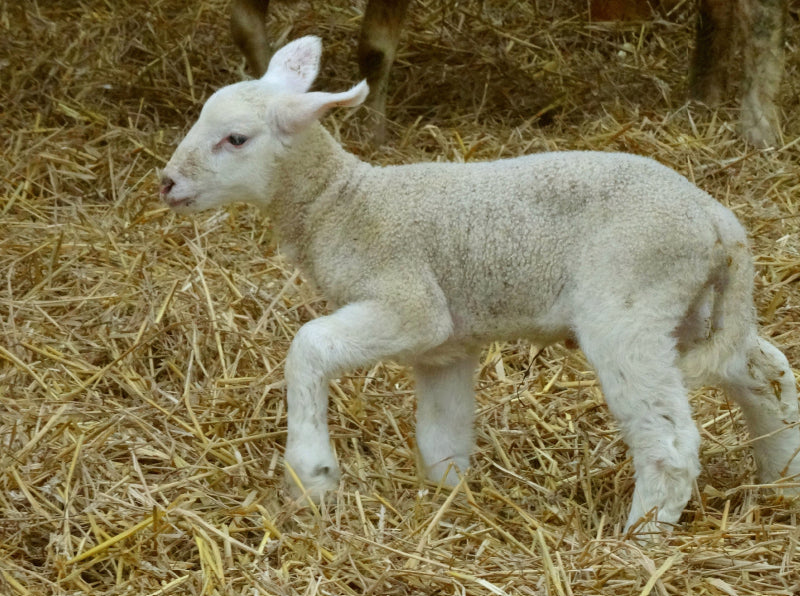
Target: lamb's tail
[[723, 312], [753, 372]]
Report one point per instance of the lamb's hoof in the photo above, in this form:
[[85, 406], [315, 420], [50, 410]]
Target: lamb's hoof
[[649, 532], [322, 479], [447, 473]]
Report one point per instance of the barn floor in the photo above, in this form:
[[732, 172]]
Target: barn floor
[[142, 413]]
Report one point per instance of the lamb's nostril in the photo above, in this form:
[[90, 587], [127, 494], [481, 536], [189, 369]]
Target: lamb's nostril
[[166, 185]]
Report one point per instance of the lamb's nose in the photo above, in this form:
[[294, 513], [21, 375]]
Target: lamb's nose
[[166, 185]]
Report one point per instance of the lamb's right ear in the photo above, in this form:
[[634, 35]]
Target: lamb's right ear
[[295, 66], [299, 111]]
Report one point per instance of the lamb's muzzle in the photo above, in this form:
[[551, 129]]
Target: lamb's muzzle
[[166, 185], [171, 195], [649, 274]]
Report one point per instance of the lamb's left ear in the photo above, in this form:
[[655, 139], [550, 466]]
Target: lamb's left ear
[[295, 66], [300, 111]]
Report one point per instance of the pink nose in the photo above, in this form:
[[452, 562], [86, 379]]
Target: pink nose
[[166, 185]]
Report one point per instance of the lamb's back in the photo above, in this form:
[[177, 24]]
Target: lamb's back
[[511, 239]]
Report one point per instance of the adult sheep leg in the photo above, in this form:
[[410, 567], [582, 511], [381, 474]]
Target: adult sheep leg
[[635, 363], [356, 335], [757, 26], [445, 411], [762, 23], [759, 379], [714, 47], [249, 34], [377, 47]]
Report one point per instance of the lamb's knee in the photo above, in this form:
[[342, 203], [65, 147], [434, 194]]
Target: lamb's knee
[[305, 347], [317, 349]]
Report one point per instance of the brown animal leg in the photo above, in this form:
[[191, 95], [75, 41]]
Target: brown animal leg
[[708, 75], [377, 48], [247, 29], [763, 23]]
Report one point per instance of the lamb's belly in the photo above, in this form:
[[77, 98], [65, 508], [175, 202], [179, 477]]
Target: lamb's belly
[[541, 331], [510, 316], [470, 338]]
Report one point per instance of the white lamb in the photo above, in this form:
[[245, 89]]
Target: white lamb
[[431, 261]]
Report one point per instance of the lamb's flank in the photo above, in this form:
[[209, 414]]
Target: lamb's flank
[[649, 274]]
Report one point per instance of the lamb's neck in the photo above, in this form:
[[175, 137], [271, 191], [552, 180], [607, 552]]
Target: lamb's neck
[[316, 168]]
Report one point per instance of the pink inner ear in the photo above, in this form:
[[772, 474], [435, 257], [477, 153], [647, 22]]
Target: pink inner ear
[[300, 111], [295, 65]]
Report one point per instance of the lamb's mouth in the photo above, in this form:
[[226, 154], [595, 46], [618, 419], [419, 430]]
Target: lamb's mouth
[[181, 203]]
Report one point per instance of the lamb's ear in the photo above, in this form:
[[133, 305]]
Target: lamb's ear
[[303, 110], [295, 66]]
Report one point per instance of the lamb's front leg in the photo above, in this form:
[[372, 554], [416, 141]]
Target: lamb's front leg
[[445, 412], [356, 335]]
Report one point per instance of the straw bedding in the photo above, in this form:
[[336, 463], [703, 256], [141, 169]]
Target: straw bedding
[[141, 390]]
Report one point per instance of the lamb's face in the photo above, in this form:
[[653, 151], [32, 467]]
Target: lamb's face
[[228, 155], [232, 151]]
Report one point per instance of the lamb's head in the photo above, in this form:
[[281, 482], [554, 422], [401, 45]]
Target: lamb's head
[[245, 129]]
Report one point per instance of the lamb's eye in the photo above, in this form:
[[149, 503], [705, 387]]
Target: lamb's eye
[[237, 140]]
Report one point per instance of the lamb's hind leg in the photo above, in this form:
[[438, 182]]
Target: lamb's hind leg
[[759, 379], [445, 410], [636, 366]]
